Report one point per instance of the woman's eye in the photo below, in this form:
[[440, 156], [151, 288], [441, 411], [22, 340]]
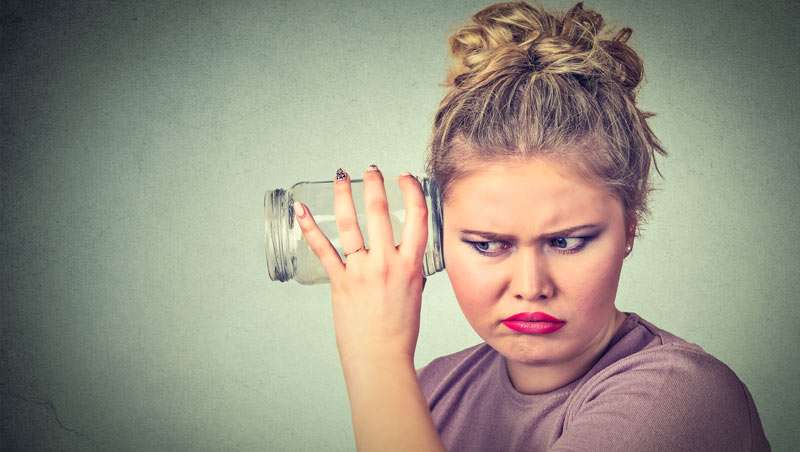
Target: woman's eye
[[562, 244], [482, 247]]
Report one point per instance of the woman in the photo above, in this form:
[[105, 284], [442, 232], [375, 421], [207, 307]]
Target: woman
[[543, 160]]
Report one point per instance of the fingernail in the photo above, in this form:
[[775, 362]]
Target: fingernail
[[405, 173], [341, 174], [372, 167], [299, 210]]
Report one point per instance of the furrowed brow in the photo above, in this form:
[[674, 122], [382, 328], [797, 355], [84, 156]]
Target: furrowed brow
[[496, 236]]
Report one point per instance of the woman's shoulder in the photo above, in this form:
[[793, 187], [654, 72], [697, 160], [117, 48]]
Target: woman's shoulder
[[669, 389], [673, 365], [663, 350], [649, 355], [666, 397]]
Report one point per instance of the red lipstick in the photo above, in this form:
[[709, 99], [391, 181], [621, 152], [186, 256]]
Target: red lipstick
[[534, 323]]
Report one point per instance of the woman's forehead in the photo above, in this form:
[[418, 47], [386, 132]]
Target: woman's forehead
[[530, 181], [544, 193]]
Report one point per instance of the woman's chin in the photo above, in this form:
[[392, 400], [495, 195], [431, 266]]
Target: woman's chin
[[523, 350]]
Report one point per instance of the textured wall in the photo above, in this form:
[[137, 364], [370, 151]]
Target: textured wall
[[138, 140]]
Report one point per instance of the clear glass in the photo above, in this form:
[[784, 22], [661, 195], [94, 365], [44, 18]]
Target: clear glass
[[289, 256]]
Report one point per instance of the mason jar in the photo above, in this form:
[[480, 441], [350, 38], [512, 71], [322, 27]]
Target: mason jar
[[289, 256]]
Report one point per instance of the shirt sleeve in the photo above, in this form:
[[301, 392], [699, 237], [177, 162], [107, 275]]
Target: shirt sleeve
[[668, 399]]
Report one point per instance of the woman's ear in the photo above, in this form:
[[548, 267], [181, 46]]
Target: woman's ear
[[630, 235]]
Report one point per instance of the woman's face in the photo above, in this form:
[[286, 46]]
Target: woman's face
[[572, 276]]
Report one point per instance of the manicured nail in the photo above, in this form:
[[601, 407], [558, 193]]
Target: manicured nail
[[299, 210], [341, 174], [372, 167], [405, 173]]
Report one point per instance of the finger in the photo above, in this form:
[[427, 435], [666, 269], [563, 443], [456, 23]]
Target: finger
[[350, 238], [415, 228], [319, 243], [379, 227]]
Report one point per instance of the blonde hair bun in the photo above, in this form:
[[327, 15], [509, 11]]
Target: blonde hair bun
[[518, 37]]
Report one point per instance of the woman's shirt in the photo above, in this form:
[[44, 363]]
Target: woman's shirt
[[649, 391]]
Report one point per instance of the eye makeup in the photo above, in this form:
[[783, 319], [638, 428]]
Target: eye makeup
[[583, 241]]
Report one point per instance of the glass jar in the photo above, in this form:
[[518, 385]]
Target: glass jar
[[290, 257]]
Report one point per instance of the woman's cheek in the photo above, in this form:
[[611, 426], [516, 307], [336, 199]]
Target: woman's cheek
[[469, 281], [595, 294], [606, 277], [462, 273]]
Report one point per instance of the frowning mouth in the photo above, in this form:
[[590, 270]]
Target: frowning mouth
[[534, 317], [534, 323]]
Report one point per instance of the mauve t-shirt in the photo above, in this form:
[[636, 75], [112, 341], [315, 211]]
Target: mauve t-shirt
[[649, 391]]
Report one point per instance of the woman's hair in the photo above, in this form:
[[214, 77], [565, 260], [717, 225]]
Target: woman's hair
[[530, 83]]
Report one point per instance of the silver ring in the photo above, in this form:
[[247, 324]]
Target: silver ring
[[351, 252]]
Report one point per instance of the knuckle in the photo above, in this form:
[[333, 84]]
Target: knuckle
[[315, 248], [382, 271], [416, 216], [358, 277], [411, 267], [346, 223], [378, 205]]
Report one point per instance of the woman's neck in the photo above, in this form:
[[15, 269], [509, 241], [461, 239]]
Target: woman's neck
[[538, 379]]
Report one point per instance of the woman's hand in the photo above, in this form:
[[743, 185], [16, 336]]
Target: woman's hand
[[376, 293]]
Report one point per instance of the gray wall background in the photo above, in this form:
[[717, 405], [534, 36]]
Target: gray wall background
[[138, 140]]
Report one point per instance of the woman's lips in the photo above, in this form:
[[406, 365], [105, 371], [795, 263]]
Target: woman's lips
[[534, 323], [533, 327], [534, 317]]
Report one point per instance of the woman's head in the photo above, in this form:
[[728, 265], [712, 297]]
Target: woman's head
[[540, 133]]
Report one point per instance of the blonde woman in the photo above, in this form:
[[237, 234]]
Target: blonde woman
[[543, 159]]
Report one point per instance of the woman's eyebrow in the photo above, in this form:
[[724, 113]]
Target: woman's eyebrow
[[496, 236]]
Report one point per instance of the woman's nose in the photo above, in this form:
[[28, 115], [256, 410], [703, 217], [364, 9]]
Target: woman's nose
[[531, 277]]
